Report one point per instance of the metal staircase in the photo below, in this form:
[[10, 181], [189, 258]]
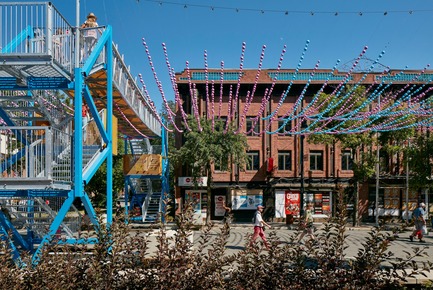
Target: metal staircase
[[141, 187], [36, 215], [45, 161]]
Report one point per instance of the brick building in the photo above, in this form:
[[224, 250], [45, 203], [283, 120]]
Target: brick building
[[275, 172]]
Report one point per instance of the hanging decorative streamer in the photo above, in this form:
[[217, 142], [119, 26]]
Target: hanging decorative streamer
[[381, 109]]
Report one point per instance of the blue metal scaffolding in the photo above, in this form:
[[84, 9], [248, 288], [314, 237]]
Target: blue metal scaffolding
[[48, 151]]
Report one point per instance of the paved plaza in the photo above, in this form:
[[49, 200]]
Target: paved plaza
[[356, 236]]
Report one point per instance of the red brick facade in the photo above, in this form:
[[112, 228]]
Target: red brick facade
[[325, 179]]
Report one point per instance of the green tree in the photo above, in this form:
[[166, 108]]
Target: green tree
[[420, 154], [204, 147], [171, 147]]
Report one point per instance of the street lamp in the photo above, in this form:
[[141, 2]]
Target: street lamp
[[301, 206], [301, 152], [377, 172], [77, 34], [407, 186]]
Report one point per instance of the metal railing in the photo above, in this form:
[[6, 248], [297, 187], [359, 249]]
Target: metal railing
[[35, 152], [37, 214], [130, 91], [36, 28], [88, 39]]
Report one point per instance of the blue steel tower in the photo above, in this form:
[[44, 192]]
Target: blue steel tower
[[50, 147]]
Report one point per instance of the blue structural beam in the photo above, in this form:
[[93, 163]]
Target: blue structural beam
[[34, 193], [22, 36], [47, 83], [109, 116], [5, 117], [94, 112], [96, 163], [7, 226], [165, 172], [5, 235], [53, 228], [90, 210], [103, 41], [89, 241], [9, 83], [12, 160]]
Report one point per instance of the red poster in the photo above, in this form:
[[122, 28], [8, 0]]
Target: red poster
[[292, 202]]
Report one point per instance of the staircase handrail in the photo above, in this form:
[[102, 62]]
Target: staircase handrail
[[138, 101], [53, 214], [146, 202]]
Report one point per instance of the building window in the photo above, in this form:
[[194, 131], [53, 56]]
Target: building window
[[220, 166], [253, 121], [284, 128], [284, 160], [220, 123], [253, 162], [346, 160], [316, 160]]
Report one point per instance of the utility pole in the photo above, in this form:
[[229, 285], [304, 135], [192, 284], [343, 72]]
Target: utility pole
[[301, 206], [377, 172], [406, 211], [77, 34], [301, 152]]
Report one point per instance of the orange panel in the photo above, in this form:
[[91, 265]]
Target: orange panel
[[148, 164]]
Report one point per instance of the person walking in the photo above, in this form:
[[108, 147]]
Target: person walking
[[307, 224], [418, 217], [228, 210], [259, 225]]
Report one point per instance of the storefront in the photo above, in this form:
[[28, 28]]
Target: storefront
[[244, 203], [392, 201], [199, 200], [288, 202]]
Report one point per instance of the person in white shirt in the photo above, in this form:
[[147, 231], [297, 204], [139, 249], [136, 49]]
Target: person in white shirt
[[259, 225], [90, 33]]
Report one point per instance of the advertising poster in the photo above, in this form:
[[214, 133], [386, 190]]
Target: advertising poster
[[280, 204], [292, 202], [246, 199], [318, 203], [204, 203], [199, 201], [195, 199], [326, 203], [246, 202], [219, 209]]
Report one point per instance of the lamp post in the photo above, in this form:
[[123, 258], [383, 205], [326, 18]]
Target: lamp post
[[301, 195], [377, 172], [406, 211], [77, 34], [301, 152]]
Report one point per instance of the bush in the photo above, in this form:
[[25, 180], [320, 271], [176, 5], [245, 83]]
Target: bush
[[121, 260]]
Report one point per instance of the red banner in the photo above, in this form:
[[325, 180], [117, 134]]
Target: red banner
[[270, 164], [292, 202]]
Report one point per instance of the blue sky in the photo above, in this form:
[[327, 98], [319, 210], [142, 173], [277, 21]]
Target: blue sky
[[405, 37]]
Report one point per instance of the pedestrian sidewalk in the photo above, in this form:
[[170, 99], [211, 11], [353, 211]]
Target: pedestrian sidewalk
[[283, 225]]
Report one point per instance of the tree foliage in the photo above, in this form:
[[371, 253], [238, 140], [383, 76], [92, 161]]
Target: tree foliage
[[123, 259], [211, 144], [420, 154]]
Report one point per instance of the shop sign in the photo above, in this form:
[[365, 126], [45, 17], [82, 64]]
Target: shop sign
[[292, 202], [189, 181]]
